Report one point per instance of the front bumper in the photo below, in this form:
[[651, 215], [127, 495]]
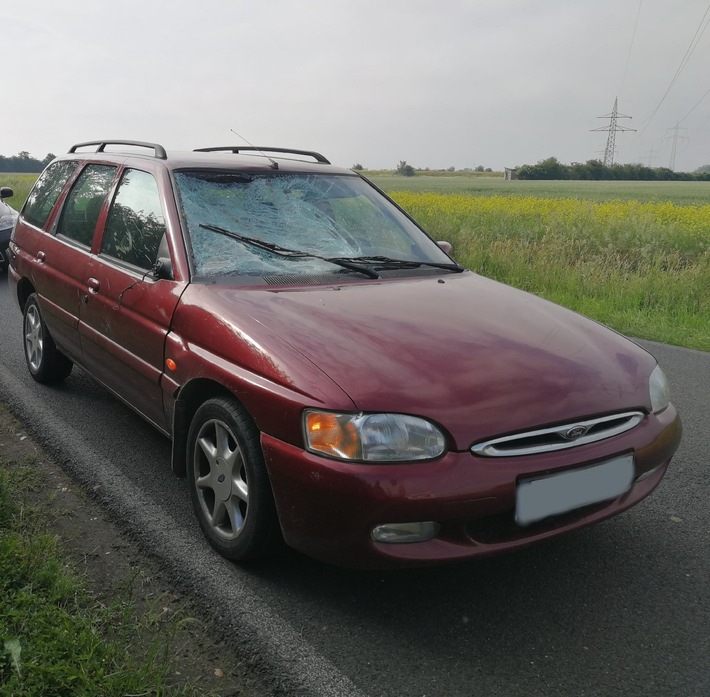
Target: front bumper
[[4, 243], [328, 508]]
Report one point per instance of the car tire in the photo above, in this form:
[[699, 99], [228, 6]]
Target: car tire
[[44, 361], [229, 485]]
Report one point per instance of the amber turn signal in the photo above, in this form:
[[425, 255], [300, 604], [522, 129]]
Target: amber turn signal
[[332, 435]]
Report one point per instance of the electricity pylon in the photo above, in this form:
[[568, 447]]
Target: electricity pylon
[[613, 127]]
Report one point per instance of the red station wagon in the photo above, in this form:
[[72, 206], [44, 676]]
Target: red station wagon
[[327, 374]]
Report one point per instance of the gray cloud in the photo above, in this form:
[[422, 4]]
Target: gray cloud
[[456, 82]]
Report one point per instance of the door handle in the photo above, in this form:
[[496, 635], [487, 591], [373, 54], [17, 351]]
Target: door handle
[[94, 285]]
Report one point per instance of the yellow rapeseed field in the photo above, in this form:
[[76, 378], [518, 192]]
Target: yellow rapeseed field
[[539, 213]]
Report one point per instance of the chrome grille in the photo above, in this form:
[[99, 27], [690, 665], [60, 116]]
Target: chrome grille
[[569, 435]]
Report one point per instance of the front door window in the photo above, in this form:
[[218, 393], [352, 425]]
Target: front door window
[[135, 226]]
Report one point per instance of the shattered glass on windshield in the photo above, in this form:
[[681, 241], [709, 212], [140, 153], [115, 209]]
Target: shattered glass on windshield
[[323, 215]]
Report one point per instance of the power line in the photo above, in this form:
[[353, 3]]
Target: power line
[[695, 106], [628, 58], [613, 128], [688, 53]]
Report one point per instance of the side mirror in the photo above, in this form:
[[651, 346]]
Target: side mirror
[[6, 192], [445, 246], [163, 269]]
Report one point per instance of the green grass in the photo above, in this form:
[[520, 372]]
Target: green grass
[[691, 193], [55, 638], [20, 184]]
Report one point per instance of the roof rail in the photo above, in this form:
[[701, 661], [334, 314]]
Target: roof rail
[[242, 148], [159, 150]]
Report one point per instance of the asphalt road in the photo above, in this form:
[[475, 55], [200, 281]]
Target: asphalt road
[[619, 609]]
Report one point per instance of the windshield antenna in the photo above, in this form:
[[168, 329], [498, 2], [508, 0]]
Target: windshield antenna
[[274, 164]]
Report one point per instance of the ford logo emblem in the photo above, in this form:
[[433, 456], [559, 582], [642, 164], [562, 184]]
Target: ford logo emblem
[[575, 432]]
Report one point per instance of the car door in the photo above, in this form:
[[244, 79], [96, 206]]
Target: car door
[[127, 309], [61, 258]]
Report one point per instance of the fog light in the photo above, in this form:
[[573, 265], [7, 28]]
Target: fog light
[[401, 533]]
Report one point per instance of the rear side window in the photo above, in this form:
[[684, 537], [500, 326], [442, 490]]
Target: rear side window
[[83, 205], [135, 226], [46, 191]]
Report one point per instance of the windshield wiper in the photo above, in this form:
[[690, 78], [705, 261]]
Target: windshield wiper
[[350, 264], [389, 262]]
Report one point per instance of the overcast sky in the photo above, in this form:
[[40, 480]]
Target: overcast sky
[[437, 83]]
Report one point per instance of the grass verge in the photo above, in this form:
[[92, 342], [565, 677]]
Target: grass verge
[[71, 628], [55, 639]]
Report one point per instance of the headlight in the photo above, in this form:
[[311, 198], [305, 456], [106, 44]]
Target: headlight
[[372, 437], [659, 390], [6, 221]]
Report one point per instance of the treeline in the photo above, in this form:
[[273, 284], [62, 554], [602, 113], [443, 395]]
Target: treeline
[[552, 168], [24, 162]]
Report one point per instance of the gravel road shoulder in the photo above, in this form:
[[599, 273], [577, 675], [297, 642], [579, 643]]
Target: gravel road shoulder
[[113, 566]]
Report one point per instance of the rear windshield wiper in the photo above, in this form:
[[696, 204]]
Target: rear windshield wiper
[[391, 263], [350, 264]]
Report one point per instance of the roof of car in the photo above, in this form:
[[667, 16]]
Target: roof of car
[[251, 158]]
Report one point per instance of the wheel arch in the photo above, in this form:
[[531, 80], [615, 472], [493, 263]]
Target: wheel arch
[[24, 290], [191, 396]]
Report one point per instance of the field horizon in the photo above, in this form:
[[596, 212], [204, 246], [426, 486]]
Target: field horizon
[[476, 184]]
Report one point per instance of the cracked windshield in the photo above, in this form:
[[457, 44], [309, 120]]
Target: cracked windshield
[[276, 224]]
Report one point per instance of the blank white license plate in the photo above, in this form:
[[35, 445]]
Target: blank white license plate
[[542, 497]]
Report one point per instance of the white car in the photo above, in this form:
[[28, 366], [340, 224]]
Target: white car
[[8, 216]]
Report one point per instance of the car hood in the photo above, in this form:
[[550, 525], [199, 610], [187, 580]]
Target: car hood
[[476, 356]]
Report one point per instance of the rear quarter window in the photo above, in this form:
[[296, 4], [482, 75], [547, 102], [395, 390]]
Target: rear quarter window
[[46, 191]]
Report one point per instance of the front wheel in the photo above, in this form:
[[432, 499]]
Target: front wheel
[[229, 486], [44, 361]]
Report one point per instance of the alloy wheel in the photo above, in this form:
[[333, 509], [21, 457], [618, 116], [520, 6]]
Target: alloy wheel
[[221, 479], [34, 339]]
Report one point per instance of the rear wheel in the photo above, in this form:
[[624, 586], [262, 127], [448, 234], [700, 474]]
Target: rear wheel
[[44, 361], [229, 485]]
